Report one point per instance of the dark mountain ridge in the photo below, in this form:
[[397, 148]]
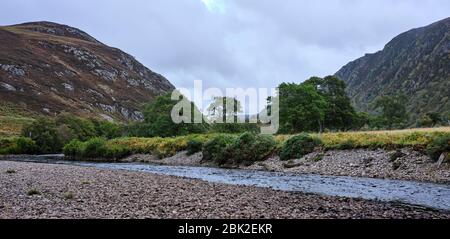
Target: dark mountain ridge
[[416, 63]]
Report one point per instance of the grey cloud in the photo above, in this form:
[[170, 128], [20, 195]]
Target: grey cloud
[[253, 43]]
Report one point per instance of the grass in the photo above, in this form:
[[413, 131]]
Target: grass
[[13, 119], [33, 192], [69, 195], [396, 139], [11, 171]]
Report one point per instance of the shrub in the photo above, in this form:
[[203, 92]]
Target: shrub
[[298, 146], [95, 148], [194, 146], [19, 145], [215, 150], [11, 171], [44, 132], [396, 155], [26, 146], [249, 148], [107, 129], [74, 149], [32, 192], [114, 151], [438, 146]]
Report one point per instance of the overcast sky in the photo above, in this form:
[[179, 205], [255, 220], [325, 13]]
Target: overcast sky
[[236, 43]]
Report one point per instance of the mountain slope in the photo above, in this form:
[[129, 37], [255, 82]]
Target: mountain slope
[[48, 68], [416, 63]]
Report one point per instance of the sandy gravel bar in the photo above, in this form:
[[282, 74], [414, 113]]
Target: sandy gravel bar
[[76, 192]]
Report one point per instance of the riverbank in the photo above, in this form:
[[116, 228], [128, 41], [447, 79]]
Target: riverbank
[[405, 164], [30, 190]]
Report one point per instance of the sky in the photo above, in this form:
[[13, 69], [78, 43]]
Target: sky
[[236, 43]]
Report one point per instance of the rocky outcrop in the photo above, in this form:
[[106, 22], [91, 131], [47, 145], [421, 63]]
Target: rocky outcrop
[[58, 68], [416, 63]]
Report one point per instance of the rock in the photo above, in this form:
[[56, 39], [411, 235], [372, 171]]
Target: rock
[[396, 165], [8, 86], [292, 165], [68, 87], [13, 69], [443, 158]]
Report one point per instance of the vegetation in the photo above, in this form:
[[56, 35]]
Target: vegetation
[[438, 146], [17, 145], [319, 104], [95, 148], [11, 171], [302, 108], [216, 150], [339, 113], [249, 148], [393, 111], [298, 146], [158, 121], [33, 192], [13, 119], [193, 147]]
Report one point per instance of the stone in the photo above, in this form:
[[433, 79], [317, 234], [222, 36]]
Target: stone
[[442, 159], [8, 86]]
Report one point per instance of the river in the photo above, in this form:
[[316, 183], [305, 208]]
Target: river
[[410, 192]]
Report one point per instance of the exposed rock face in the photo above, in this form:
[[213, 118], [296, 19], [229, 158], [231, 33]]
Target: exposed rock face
[[416, 63], [49, 66]]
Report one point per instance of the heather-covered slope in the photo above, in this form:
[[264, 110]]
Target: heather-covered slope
[[47, 68]]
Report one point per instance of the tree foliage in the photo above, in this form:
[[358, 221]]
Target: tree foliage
[[393, 111], [158, 120]]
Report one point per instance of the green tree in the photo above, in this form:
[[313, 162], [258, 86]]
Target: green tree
[[224, 109], [158, 120], [435, 118], [302, 108], [393, 110], [339, 112], [45, 133]]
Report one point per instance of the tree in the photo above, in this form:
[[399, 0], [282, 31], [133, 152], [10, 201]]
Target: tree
[[224, 110], [45, 133], [158, 120], [393, 110], [339, 112], [223, 116], [435, 118], [302, 108]]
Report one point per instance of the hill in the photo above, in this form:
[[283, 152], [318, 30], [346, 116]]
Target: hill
[[416, 63], [47, 68]]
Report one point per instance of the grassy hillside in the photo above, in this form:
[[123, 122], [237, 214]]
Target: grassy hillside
[[13, 119]]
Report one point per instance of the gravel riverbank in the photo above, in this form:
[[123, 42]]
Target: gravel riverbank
[[407, 165], [30, 190]]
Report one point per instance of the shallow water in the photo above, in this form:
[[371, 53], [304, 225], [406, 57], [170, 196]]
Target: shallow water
[[410, 192]]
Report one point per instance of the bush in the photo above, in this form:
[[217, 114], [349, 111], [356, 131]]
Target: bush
[[19, 145], [215, 150], [95, 148], [74, 149], [25, 146], [194, 146], [438, 146], [115, 151], [44, 132], [298, 146], [249, 148]]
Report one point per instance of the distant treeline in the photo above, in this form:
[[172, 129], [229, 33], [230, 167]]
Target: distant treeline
[[316, 105]]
